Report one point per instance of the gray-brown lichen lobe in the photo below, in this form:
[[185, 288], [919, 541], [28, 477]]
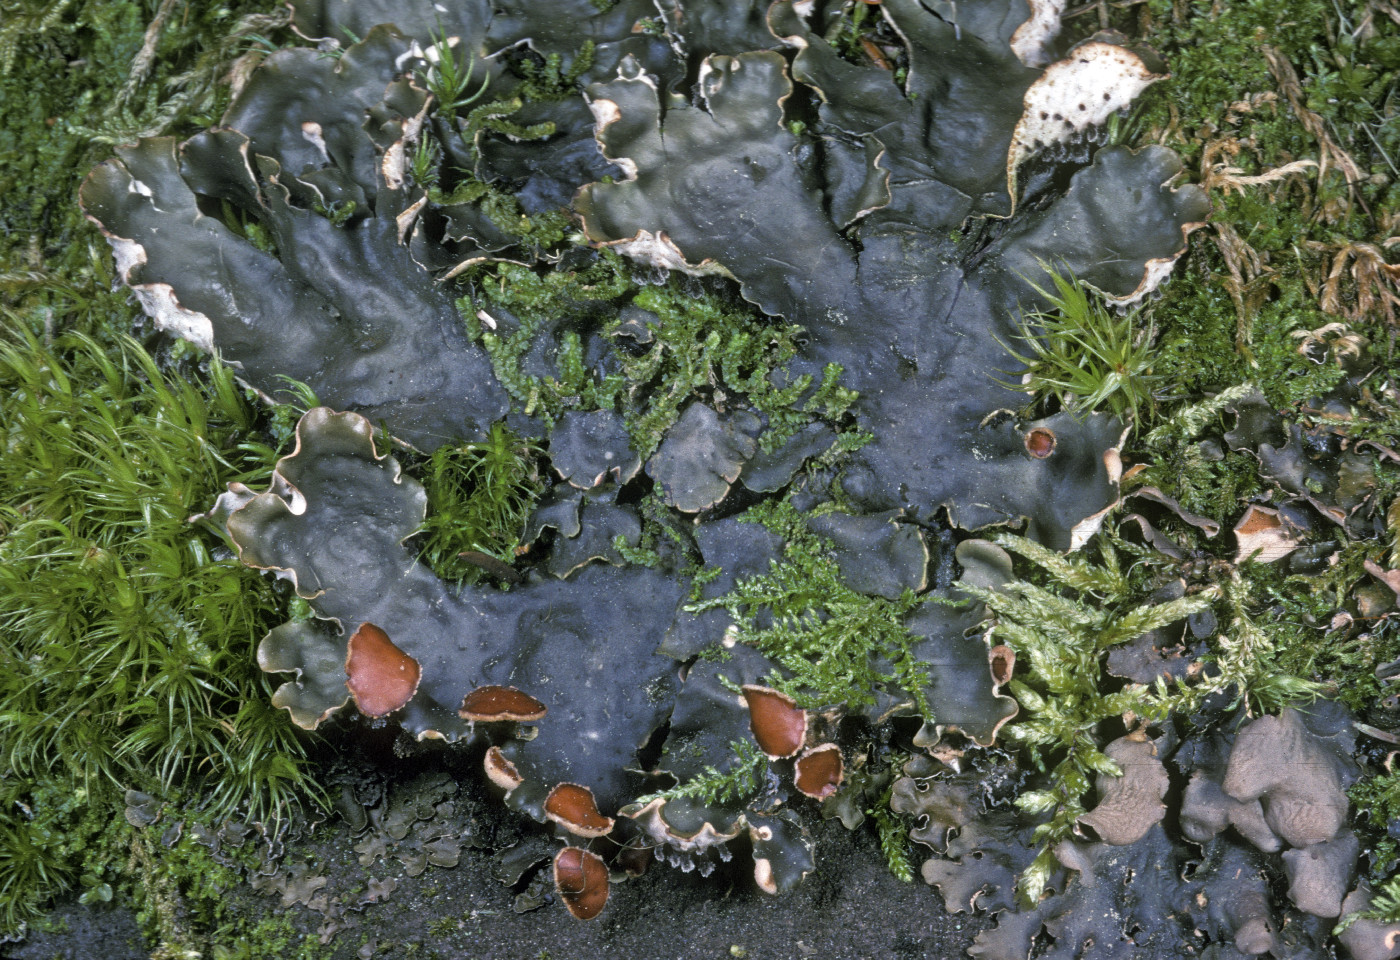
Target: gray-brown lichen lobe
[[681, 152]]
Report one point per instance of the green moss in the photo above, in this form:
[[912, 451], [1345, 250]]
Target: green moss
[[1202, 349], [31, 20], [269, 937], [703, 344], [443, 926], [1084, 356], [53, 838], [741, 779], [128, 650], [183, 891], [1378, 800], [69, 95], [193, 902], [452, 79], [536, 301], [479, 497], [1218, 484], [541, 232], [1303, 608], [857, 27], [547, 80], [1209, 487], [338, 213], [894, 837], [542, 80], [830, 637], [37, 153], [272, 937], [1345, 79], [662, 530], [1061, 633], [127, 635], [706, 343]]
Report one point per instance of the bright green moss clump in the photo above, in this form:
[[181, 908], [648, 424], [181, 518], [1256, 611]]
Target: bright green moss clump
[[1084, 356], [699, 342], [126, 635], [479, 497], [823, 631]]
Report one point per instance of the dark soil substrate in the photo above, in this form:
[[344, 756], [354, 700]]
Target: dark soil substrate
[[850, 907], [82, 933]]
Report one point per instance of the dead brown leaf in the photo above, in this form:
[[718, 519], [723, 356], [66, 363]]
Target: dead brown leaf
[[1331, 155], [1373, 289], [1263, 536]]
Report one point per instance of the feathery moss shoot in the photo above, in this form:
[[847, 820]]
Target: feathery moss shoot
[[741, 781], [1061, 635], [831, 638], [1062, 629], [894, 837]]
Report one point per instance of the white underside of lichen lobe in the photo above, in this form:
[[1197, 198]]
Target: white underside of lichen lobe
[[1153, 275], [658, 250], [605, 113], [1084, 530], [1073, 96], [158, 300], [393, 167], [1032, 39]]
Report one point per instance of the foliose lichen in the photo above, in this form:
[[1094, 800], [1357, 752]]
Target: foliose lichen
[[891, 228]]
